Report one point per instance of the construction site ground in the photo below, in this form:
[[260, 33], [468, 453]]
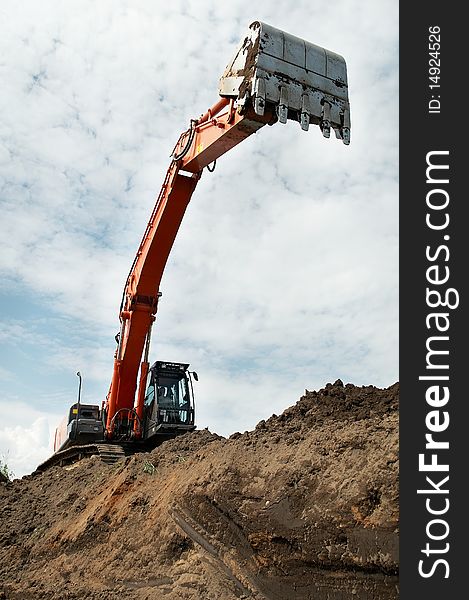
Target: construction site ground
[[303, 507]]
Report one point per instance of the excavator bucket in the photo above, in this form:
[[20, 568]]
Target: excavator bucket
[[300, 81]]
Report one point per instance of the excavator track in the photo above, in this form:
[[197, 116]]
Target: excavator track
[[109, 454]]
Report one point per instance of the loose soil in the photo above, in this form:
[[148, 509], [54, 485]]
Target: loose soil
[[303, 507]]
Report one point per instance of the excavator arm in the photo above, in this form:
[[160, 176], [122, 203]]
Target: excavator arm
[[273, 77]]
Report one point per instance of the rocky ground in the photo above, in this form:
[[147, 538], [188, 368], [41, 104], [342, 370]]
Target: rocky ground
[[303, 507]]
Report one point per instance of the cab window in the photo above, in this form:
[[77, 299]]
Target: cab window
[[150, 393]]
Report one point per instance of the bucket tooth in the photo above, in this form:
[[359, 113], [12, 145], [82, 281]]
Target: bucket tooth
[[259, 96], [289, 78], [283, 105], [346, 135], [326, 120], [305, 112], [304, 121], [326, 129]]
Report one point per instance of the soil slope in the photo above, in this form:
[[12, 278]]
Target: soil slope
[[305, 506]]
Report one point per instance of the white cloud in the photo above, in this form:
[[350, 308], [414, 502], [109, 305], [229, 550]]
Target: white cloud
[[26, 440], [5, 374], [284, 273]]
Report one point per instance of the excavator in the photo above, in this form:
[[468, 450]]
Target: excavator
[[273, 77]]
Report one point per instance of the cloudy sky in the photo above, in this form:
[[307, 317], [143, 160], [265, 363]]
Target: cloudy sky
[[284, 275]]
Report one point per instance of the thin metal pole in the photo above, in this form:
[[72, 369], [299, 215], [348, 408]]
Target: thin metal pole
[[79, 388], [78, 405]]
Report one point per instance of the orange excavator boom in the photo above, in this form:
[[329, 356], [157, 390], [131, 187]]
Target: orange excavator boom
[[273, 77]]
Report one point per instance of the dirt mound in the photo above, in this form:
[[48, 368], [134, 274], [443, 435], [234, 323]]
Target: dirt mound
[[305, 506]]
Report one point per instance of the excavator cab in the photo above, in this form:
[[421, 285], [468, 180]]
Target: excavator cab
[[169, 400]]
